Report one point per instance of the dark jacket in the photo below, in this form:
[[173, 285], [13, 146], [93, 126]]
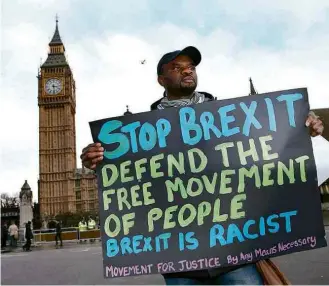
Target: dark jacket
[[199, 273], [58, 228], [28, 232]]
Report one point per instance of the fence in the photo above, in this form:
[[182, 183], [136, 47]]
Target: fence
[[68, 234]]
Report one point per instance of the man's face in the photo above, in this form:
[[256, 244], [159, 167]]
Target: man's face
[[179, 74]]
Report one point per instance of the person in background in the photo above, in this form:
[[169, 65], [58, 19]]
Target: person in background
[[4, 235], [13, 234], [82, 228], [28, 237], [91, 223], [58, 235], [177, 75], [91, 226]]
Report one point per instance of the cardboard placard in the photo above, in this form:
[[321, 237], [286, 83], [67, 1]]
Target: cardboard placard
[[211, 185]]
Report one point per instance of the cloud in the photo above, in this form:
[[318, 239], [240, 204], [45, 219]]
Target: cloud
[[281, 44]]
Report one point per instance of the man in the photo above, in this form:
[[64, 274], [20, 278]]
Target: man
[[13, 233], [91, 226], [28, 237], [177, 75], [58, 235], [82, 228], [91, 223], [4, 235]]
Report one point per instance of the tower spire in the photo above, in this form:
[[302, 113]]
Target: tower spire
[[252, 88], [56, 56], [56, 40]]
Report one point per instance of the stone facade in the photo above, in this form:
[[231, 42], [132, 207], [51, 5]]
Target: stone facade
[[25, 207], [62, 187]]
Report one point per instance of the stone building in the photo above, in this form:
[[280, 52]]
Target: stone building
[[62, 187], [26, 205]]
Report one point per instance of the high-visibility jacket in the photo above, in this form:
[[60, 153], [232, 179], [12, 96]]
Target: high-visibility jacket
[[91, 224], [82, 226]]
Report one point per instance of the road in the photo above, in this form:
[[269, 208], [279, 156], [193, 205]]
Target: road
[[80, 265]]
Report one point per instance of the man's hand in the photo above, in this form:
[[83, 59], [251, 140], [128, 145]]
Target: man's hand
[[314, 124], [91, 155]]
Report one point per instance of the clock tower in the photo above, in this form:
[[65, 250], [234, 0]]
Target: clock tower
[[57, 140]]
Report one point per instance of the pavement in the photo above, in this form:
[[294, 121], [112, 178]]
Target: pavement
[[70, 265], [76, 264]]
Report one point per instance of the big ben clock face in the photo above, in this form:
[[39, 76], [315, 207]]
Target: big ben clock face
[[53, 86]]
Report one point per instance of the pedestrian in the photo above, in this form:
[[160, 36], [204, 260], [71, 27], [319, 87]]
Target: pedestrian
[[82, 229], [13, 234], [4, 235], [91, 224], [58, 235], [28, 237], [177, 75]]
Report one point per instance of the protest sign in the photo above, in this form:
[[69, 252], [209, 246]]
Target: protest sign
[[211, 185]]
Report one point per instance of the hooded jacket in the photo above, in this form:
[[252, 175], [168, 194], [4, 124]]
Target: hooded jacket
[[199, 274]]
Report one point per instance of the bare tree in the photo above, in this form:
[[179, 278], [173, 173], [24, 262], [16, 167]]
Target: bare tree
[[9, 201]]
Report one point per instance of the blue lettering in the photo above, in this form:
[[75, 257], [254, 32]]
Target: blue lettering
[[136, 243], [147, 244], [164, 237], [107, 138], [246, 229], [271, 114], [147, 136], [157, 244], [194, 243], [163, 130], [275, 226], [262, 226], [290, 98], [181, 241], [250, 117], [112, 247], [125, 246], [233, 231], [131, 128], [207, 122], [225, 120], [287, 216], [216, 233], [188, 125]]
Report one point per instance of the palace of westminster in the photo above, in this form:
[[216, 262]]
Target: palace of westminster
[[62, 187]]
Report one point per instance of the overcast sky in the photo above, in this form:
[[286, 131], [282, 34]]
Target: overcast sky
[[280, 44]]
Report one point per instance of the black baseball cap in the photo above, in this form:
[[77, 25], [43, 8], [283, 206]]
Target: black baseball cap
[[189, 51]]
